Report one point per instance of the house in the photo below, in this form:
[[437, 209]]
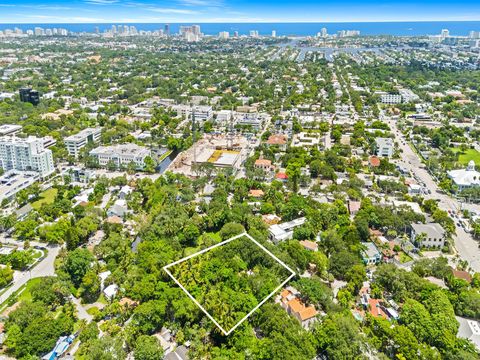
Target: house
[[278, 140], [180, 353], [376, 309], [263, 164], [414, 189], [463, 275], [469, 329], [434, 235], [353, 207], [124, 192], [110, 291], [384, 147], [281, 176], [290, 301], [284, 231], [309, 245], [23, 212], [370, 255], [114, 220], [119, 208], [256, 193], [465, 178], [374, 161]]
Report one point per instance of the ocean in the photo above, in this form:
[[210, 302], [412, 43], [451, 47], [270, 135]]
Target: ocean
[[457, 28]]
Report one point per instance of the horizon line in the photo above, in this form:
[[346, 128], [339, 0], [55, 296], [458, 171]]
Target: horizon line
[[243, 22]]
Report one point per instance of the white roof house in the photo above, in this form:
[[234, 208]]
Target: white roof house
[[469, 329], [284, 231], [465, 178], [110, 291]]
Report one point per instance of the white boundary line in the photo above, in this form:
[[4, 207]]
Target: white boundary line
[[166, 267]]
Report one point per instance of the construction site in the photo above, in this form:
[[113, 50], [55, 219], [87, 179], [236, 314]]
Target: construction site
[[221, 151]]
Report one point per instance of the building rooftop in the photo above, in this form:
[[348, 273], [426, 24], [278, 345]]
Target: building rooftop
[[83, 134], [432, 230], [465, 177], [121, 149]]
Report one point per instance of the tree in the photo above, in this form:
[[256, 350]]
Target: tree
[[147, 348], [342, 262], [293, 173], [149, 164], [149, 316], [50, 291], [77, 264], [339, 337], [231, 229], [104, 348], [6, 276]]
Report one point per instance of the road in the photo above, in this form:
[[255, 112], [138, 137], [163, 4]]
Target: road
[[81, 311], [466, 246], [43, 268]]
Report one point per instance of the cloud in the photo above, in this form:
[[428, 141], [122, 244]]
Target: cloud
[[212, 3], [46, 7], [172, 11], [101, 2]]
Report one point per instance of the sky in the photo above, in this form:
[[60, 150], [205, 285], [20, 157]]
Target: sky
[[189, 11]]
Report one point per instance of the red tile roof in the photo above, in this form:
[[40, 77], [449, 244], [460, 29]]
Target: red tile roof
[[374, 161], [277, 140], [375, 309]]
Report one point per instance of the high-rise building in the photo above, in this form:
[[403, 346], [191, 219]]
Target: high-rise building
[[97, 30], [114, 29], [39, 31], [253, 33], [474, 35], [196, 30], [324, 32], [235, 34], [26, 155], [445, 33], [223, 35], [29, 95], [166, 29], [274, 33]]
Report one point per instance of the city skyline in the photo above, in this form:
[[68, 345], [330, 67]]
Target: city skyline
[[218, 11]]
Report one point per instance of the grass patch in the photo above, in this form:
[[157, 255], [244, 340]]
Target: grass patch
[[46, 197], [22, 294], [465, 157], [164, 156], [404, 258]]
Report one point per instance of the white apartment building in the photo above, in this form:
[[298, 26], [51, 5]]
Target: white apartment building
[[408, 95], [223, 35], [78, 141], [121, 155], [391, 99], [26, 154], [384, 147], [203, 113]]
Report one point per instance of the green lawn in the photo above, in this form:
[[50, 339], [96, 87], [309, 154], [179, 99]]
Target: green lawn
[[469, 154], [404, 258], [47, 197], [22, 294]]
